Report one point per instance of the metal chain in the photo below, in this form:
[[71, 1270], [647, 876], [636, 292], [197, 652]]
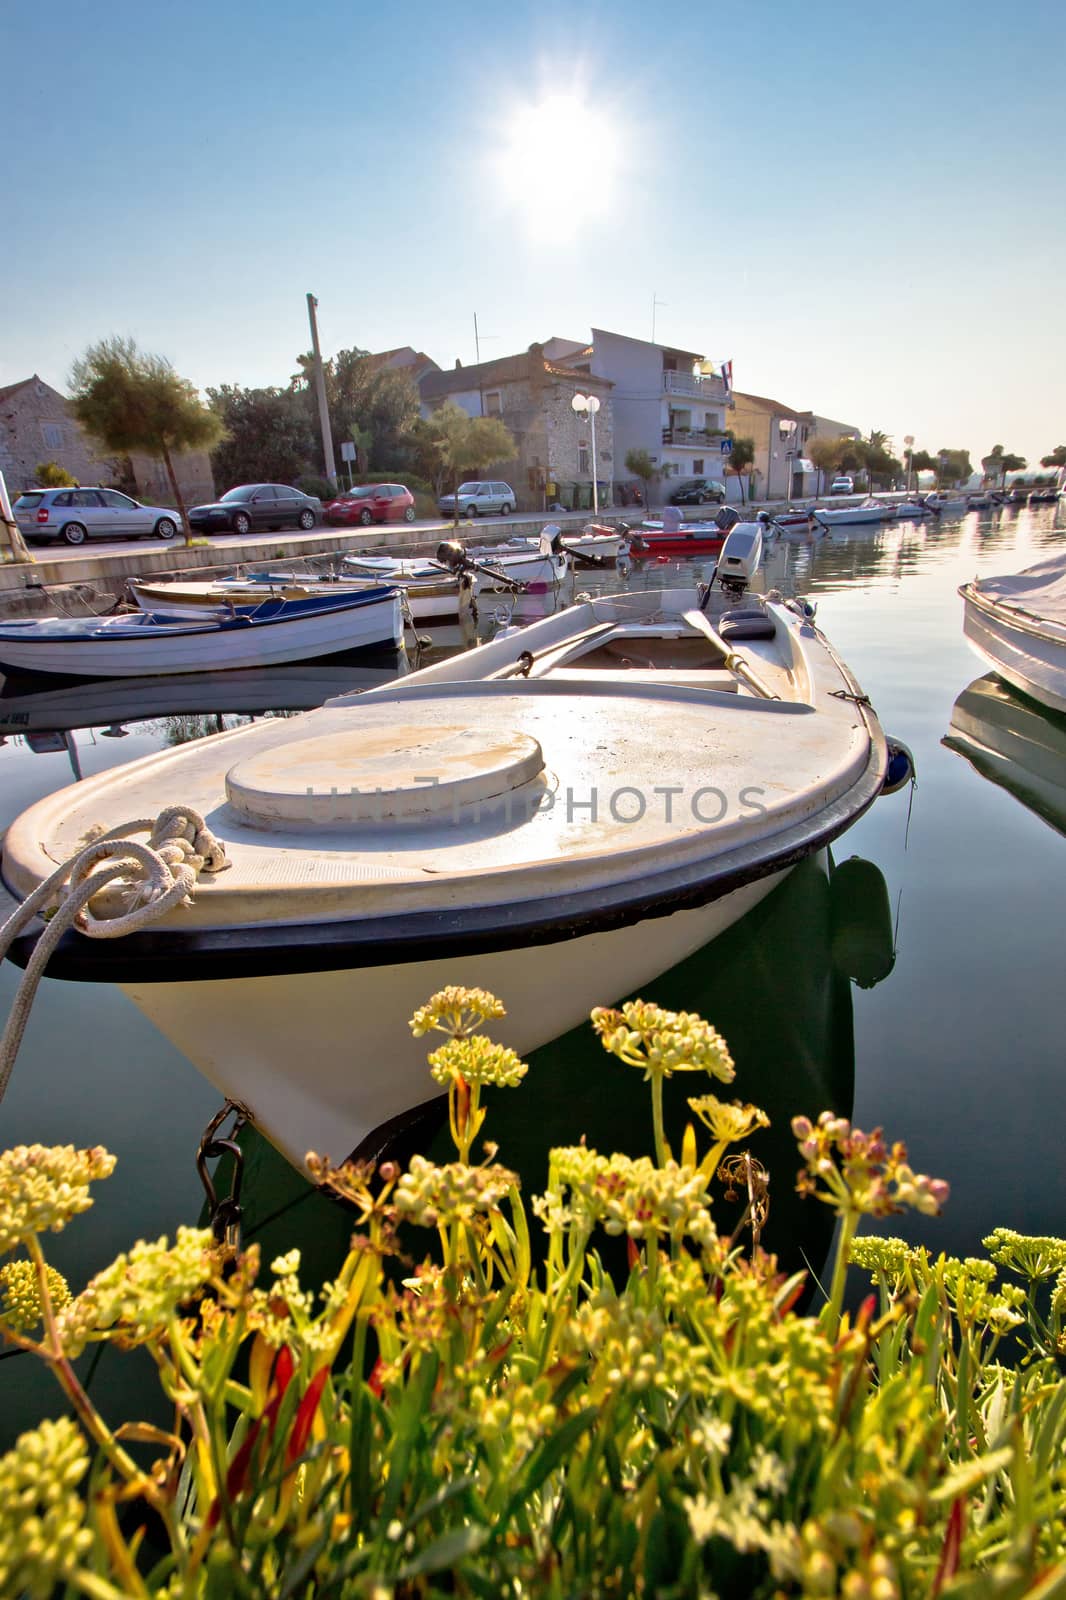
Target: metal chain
[[224, 1213]]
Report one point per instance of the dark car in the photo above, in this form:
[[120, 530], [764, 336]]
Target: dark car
[[698, 492], [257, 505], [372, 502]]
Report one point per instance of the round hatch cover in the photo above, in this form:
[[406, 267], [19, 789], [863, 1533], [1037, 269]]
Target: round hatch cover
[[373, 774]]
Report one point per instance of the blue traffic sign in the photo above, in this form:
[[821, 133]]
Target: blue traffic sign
[[726, 446]]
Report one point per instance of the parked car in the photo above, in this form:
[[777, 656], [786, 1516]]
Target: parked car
[[699, 492], [842, 485], [257, 505], [75, 515], [479, 500], [373, 502]]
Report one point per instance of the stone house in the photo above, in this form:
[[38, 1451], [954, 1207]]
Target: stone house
[[782, 439], [533, 396], [37, 425]]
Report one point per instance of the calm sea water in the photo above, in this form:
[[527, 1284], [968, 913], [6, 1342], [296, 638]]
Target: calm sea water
[[914, 981]]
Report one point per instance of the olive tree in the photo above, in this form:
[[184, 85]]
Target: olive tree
[[130, 400], [468, 444], [739, 461]]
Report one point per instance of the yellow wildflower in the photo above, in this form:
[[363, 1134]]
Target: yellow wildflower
[[456, 1011], [728, 1120], [42, 1517], [476, 1060], [21, 1307], [663, 1042], [43, 1186]]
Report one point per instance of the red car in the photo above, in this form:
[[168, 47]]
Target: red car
[[372, 502]]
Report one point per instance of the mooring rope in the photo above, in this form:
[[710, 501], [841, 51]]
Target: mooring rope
[[156, 876]]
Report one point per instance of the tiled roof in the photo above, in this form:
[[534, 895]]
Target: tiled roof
[[774, 405], [507, 369]]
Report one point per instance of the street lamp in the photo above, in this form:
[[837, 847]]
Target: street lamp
[[589, 403]]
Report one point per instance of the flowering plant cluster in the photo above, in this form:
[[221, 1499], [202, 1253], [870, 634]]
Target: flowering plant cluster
[[467, 1411]]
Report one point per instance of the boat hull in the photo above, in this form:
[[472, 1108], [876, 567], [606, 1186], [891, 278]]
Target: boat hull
[[857, 516], [200, 646], [643, 545], [246, 1034], [1027, 656]]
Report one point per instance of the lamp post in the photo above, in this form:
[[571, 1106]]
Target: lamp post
[[590, 404]]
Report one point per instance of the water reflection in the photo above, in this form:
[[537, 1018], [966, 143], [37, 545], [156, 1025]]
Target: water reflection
[[1015, 743]]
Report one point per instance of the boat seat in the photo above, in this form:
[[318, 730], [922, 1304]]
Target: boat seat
[[717, 679], [746, 623]]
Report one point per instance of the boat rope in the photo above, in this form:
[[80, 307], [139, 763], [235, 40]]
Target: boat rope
[[152, 878]]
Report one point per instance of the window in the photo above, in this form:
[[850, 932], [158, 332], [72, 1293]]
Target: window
[[283, 492], [84, 497], [697, 467], [53, 435], [62, 499], [583, 460], [118, 502], [493, 404]]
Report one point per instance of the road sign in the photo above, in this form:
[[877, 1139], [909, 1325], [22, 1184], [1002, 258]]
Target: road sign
[[347, 450], [726, 446]]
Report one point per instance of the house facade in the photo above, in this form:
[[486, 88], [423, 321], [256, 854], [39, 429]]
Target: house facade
[[664, 401], [37, 425], [533, 396]]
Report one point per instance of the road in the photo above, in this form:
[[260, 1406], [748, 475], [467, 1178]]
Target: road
[[229, 545]]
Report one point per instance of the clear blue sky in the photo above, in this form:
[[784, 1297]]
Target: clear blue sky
[[863, 207]]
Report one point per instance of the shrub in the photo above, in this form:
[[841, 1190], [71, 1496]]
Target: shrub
[[308, 483], [496, 1429]]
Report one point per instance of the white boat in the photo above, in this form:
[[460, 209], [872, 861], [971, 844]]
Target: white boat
[[910, 511], [594, 540], [431, 590], [868, 512], [558, 816], [146, 644], [1017, 625], [1014, 743], [509, 566]]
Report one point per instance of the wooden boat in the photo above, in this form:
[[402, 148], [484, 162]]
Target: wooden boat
[[1017, 625], [1014, 743], [146, 644], [431, 590], [558, 816]]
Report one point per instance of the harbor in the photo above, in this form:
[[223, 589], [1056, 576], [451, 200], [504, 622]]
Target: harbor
[[887, 598]]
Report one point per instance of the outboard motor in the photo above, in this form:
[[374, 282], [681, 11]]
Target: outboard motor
[[727, 517], [740, 557], [451, 554], [671, 519], [551, 539]]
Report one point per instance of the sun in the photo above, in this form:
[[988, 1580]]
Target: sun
[[558, 160]]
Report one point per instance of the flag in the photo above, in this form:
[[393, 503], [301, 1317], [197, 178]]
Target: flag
[[727, 376]]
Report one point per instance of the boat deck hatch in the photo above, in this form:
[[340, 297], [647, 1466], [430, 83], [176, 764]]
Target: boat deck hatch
[[685, 653]]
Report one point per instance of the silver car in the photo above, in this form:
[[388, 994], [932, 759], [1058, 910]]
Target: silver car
[[75, 515], [479, 499]]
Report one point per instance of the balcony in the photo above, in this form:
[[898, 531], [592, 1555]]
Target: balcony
[[696, 438], [712, 390]]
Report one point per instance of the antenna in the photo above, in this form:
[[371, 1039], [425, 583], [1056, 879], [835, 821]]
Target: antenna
[[477, 352], [654, 306]]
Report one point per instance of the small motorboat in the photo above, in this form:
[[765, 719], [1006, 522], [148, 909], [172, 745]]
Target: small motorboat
[[1017, 625], [505, 567], [146, 644], [431, 591], [1014, 743], [557, 816], [869, 511], [595, 540], [910, 511]]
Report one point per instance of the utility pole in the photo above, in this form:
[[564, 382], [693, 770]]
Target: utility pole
[[320, 390]]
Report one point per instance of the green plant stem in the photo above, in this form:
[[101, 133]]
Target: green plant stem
[[662, 1149], [849, 1221]]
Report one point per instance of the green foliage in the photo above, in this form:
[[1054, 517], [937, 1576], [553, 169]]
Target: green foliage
[[50, 475], [953, 466], [998, 463], [375, 408], [466, 445], [741, 460], [1057, 458], [502, 1430], [311, 483], [268, 436], [641, 465], [130, 400]]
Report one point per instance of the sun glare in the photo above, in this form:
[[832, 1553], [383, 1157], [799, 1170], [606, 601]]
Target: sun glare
[[558, 160]]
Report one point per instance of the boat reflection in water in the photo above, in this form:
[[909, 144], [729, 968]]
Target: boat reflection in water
[[1015, 743], [47, 712], [777, 985]]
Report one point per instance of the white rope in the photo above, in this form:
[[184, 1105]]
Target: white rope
[[154, 877]]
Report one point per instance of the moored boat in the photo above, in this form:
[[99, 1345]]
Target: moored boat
[[147, 644], [870, 511], [558, 816], [1017, 625]]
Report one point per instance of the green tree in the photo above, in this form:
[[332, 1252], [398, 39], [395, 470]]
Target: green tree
[[641, 465], [999, 462], [50, 475], [269, 437], [953, 466], [825, 453], [880, 464], [740, 460], [1057, 458], [381, 403], [468, 444], [130, 400], [922, 461]]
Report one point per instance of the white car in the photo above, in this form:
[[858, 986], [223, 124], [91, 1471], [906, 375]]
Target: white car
[[479, 499], [842, 485], [75, 515]]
